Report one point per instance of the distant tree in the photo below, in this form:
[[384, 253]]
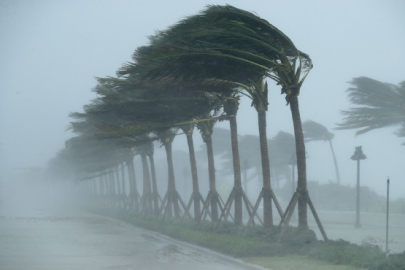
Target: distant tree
[[376, 105], [282, 153], [314, 131]]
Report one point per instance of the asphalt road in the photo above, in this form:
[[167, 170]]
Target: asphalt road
[[35, 238]]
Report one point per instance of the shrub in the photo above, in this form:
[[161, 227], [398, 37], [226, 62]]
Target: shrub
[[343, 252]]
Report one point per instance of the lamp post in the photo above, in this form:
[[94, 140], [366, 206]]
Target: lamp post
[[388, 212], [358, 155]]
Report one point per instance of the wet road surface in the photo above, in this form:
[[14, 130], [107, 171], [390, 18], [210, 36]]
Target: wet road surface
[[42, 239]]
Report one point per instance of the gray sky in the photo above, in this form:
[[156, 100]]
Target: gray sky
[[51, 50]]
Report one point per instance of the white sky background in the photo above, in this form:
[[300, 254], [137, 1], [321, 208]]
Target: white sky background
[[50, 52]]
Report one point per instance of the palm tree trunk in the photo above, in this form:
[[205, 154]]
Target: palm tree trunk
[[267, 204], [194, 175], [117, 177], [154, 185], [101, 189], [171, 188], [146, 175], [113, 188], [301, 164], [119, 192], [335, 162], [130, 176], [110, 193], [147, 200], [124, 192], [211, 173], [133, 191], [231, 109]]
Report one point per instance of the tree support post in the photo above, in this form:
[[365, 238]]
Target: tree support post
[[285, 220]]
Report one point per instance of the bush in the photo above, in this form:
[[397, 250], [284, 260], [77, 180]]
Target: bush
[[343, 252]]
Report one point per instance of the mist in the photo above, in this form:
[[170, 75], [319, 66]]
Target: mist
[[52, 52]]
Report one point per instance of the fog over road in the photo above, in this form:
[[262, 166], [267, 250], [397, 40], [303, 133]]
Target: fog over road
[[40, 238]]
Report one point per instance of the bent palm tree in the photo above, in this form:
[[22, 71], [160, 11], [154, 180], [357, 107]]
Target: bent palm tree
[[314, 131]]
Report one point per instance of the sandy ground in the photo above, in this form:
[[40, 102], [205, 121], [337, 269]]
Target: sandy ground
[[42, 239]]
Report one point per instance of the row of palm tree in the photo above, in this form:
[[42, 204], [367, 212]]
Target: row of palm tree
[[200, 48], [194, 73]]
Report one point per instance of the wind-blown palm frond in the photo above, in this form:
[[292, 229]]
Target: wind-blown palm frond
[[225, 43], [378, 105]]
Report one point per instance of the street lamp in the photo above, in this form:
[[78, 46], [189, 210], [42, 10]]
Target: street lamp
[[358, 155]]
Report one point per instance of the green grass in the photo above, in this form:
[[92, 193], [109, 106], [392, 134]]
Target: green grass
[[295, 262]]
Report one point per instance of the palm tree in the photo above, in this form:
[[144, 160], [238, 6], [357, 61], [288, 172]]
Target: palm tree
[[213, 200], [147, 205], [156, 197], [196, 196], [231, 106], [172, 198], [377, 105], [314, 131], [258, 92]]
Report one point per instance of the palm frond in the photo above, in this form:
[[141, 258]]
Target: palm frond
[[378, 105]]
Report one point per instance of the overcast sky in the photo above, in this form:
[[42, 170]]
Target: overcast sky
[[51, 50]]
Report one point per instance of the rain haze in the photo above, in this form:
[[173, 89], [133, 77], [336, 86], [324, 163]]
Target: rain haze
[[51, 51]]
